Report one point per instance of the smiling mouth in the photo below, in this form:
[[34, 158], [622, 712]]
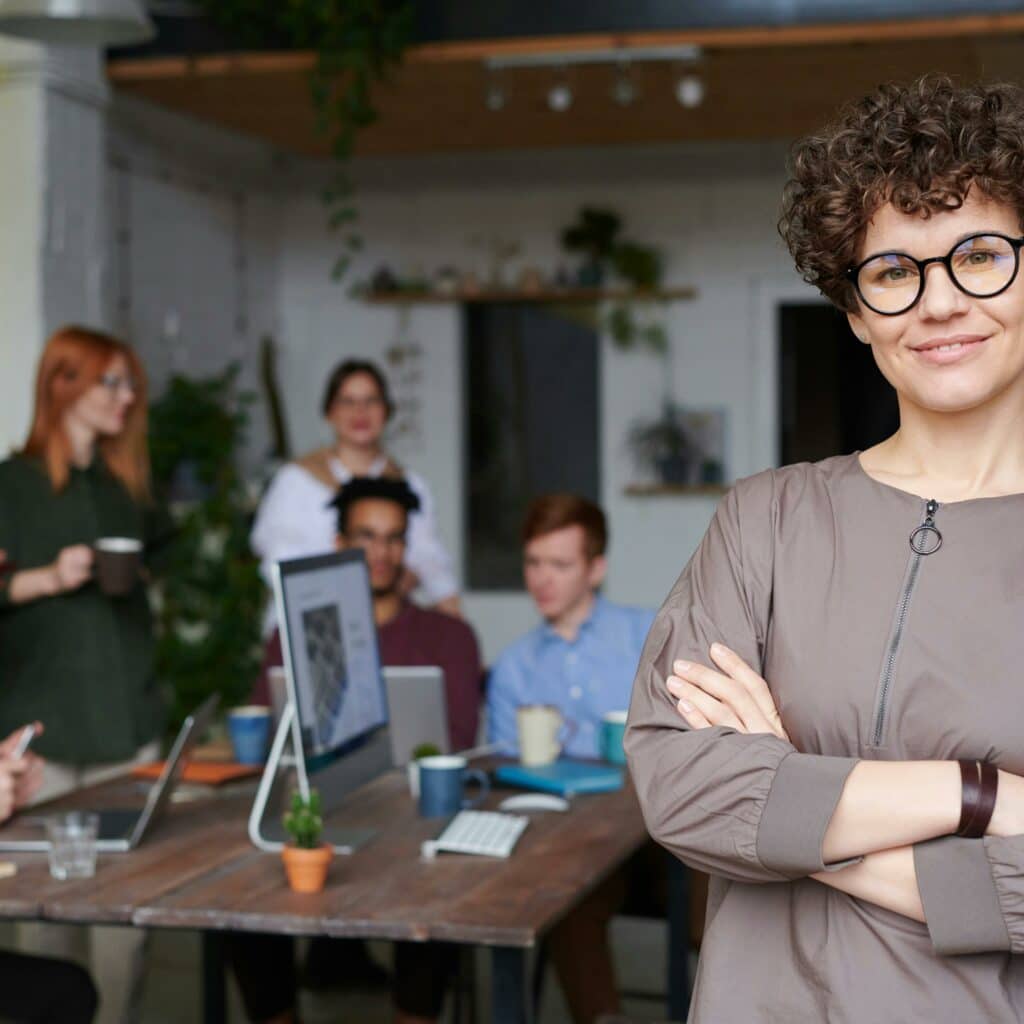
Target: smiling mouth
[[949, 346]]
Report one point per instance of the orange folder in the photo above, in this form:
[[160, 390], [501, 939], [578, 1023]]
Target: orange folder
[[209, 773]]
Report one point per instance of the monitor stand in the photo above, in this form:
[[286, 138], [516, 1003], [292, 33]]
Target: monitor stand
[[339, 779]]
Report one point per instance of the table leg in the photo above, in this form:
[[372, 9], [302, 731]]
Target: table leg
[[215, 1002], [511, 995], [678, 940]]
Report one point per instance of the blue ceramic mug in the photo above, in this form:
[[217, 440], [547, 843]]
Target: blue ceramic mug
[[442, 786], [613, 730], [249, 729]]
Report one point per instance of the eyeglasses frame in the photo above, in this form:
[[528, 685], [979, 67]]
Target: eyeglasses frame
[[852, 273]]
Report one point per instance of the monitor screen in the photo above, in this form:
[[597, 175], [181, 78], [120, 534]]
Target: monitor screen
[[329, 641]]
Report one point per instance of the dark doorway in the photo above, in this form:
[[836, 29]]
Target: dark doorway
[[833, 399], [531, 419]]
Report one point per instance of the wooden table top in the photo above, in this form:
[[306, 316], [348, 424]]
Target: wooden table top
[[198, 870]]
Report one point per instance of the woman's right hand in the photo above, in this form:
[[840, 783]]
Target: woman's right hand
[[72, 568]]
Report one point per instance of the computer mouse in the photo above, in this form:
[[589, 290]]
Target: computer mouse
[[534, 802]]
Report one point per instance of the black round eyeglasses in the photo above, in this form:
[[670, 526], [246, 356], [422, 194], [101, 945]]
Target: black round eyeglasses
[[981, 266]]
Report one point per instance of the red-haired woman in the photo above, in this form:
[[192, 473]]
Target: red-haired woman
[[72, 657]]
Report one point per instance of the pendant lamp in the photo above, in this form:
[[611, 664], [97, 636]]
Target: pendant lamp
[[76, 22]]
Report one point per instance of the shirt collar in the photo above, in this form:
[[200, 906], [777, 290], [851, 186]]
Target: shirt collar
[[597, 611], [343, 474]]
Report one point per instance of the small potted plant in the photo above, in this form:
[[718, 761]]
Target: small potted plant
[[306, 858], [664, 445], [413, 767]]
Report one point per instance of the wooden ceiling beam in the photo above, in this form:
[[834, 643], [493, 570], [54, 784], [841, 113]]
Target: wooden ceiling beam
[[846, 33]]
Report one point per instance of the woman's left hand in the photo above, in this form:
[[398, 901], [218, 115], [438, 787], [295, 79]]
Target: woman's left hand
[[735, 697]]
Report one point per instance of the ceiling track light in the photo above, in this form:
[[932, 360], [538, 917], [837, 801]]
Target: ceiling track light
[[690, 91], [495, 97], [624, 90], [560, 95], [685, 54]]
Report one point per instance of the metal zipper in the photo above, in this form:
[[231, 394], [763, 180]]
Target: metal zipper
[[925, 540]]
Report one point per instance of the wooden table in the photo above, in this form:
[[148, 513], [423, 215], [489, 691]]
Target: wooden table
[[198, 871]]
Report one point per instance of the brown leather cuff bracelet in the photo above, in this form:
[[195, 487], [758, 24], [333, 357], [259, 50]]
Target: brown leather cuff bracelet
[[980, 784]]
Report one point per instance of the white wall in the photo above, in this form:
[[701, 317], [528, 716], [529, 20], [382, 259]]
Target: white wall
[[711, 209], [191, 247]]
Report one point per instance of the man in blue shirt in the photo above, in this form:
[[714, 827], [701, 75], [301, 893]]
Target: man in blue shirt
[[582, 659], [583, 656]]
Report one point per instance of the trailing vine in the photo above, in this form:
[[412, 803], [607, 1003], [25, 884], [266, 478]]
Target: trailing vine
[[357, 43]]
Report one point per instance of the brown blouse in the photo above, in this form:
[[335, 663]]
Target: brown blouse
[[872, 650]]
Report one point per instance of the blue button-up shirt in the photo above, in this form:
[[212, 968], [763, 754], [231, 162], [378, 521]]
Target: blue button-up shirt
[[584, 679]]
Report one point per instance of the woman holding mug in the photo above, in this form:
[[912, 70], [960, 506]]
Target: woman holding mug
[[296, 519], [71, 655], [827, 713]]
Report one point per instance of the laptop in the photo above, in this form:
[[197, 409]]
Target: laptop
[[417, 710], [121, 830]]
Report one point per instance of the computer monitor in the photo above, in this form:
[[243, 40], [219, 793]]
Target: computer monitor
[[329, 642]]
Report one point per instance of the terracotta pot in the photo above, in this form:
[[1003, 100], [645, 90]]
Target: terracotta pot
[[307, 869]]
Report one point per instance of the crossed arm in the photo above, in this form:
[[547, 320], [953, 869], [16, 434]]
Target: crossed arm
[[885, 807]]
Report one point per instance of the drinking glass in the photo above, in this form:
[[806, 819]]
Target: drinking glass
[[72, 844]]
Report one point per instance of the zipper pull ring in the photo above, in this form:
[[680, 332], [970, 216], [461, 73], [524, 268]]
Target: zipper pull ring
[[927, 539]]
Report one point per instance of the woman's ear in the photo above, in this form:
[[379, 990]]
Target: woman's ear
[[857, 325]]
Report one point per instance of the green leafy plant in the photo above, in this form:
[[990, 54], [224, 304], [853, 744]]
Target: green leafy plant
[[425, 750], [664, 445], [596, 234], [208, 596], [357, 43], [303, 822]]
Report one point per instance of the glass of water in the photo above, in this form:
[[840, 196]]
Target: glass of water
[[73, 844]]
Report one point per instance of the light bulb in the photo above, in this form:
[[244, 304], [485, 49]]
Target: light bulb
[[624, 91], [690, 91], [496, 98], [560, 97]]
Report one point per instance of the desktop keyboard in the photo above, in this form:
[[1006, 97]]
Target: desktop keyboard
[[487, 833]]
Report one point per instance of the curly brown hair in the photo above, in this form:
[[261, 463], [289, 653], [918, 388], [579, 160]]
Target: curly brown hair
[[919, 146]]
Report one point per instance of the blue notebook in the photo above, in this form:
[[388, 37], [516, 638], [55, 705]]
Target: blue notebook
[[563, 777]]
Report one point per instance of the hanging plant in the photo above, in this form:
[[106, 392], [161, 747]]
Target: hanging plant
[[357, 44], [596, 235]]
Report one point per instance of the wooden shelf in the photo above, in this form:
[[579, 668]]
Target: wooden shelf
[[552, 296], [675, 490]]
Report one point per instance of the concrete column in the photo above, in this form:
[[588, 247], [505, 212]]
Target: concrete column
[[22, 120], [52, 210]]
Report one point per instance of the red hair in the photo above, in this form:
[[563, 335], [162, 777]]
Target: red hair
[[553, 512], [73, 361]]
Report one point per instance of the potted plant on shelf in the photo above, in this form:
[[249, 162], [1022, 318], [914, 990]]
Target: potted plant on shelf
[[594, 235], [306, 858], [665, 446]]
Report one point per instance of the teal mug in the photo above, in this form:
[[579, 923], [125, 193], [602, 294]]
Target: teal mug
[[613, 730]]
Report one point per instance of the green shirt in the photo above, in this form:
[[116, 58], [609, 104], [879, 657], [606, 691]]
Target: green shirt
[[81, 662]]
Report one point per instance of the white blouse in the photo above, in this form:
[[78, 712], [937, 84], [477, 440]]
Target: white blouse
[[295, 520]]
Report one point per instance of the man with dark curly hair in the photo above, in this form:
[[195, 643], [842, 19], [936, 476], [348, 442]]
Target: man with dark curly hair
[[826, 717]]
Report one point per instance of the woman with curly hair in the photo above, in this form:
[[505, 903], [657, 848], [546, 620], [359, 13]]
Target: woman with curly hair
[[827, 714]]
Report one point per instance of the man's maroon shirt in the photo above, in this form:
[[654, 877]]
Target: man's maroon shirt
[[417, 636]]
